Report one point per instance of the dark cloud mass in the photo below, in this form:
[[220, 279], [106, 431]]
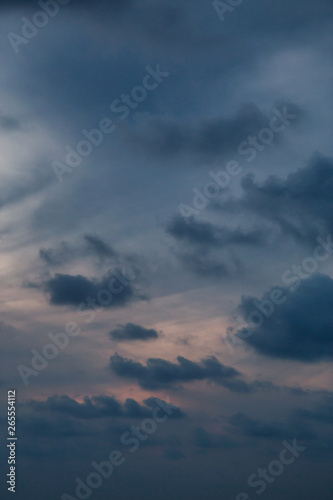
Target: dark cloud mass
[[301, 328], [300, 205], [99, 246], [200, 245], [98, 407], [210, 137], [113, 290], [92, 245], [132, 332], [205, 234], [159, 373]]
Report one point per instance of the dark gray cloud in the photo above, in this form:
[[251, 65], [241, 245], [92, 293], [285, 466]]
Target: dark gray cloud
[[160, 373], [98, 407], [206, 235], [200, 243], [90, 246], [67, 290], [300, 205], [57, 256], [132, 332], [99, 246], [301, 328], [176, 411], [211, 137], [205, 266]]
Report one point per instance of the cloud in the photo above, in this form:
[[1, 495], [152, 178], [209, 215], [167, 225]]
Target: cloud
[[300, 205], [57, 256], [67, 290], [209, 138], [160, 373], [66, 252], [99, 246], [200, 244], [98, 407], [132, 332], [206, 234], [177, 413], [301, 328]]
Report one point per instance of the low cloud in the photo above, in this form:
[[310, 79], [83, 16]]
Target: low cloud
[[159, 373], [200, 243], [98, 407], [130, 332], [67, 290], [301, 328], [300, 205]]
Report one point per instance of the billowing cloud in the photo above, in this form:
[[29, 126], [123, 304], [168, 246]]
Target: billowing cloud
[[300, 327], [98, 407], [300, 205], [160, 373], [205, 234]]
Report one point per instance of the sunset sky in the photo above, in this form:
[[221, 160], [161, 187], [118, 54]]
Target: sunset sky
[[166, 243]]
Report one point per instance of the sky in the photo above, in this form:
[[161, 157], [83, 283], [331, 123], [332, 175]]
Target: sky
[[166, 244]]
